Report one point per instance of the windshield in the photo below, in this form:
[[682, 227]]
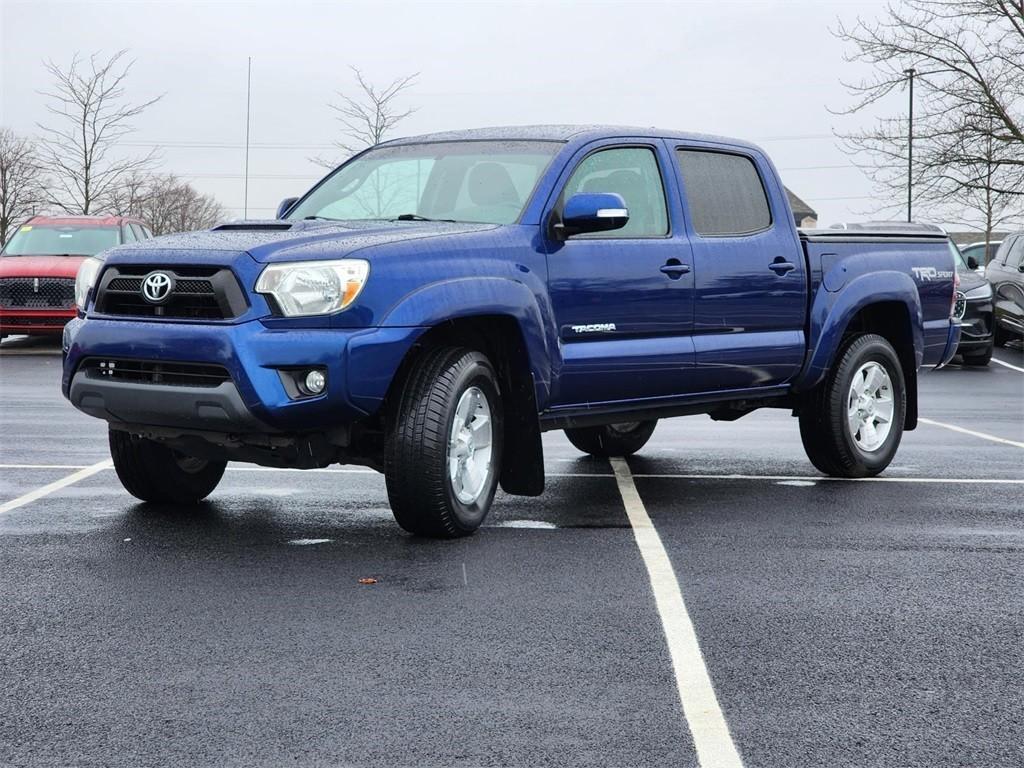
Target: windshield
[[486, 182], [46, 240]]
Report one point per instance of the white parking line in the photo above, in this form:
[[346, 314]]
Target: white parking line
[[997, 361], [715, 747], [56, 485], [825, 478], [971, 432]]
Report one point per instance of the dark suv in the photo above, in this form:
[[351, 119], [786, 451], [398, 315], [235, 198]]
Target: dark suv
[[974, 306], [1006, 274]]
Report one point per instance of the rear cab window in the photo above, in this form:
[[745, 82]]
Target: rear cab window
[[724, 193]]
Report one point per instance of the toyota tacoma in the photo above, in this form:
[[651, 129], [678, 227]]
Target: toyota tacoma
[[436, 303]]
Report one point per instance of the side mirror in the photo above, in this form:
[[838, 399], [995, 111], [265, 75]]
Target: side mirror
[[972, 263], [592, 212], [285, 205]]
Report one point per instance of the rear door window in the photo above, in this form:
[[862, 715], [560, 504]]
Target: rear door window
[[724, 193]]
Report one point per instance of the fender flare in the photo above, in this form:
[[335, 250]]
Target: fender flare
[[439, 302], [831, 313]]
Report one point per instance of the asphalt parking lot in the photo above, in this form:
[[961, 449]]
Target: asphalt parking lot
[[841, 623]]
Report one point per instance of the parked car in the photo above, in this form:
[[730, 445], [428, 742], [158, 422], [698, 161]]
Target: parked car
[[975, 312], [39, 263], [1006, 274], [978, 255], [433, 305]]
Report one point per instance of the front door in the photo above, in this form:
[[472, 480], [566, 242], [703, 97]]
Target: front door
[[622, 299]]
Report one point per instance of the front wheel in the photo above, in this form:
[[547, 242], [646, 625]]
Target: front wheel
[[153, 472], [612, 439], [852, 423], [444, 451]]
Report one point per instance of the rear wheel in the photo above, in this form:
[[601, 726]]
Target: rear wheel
[[153, 472], [444, 452], [852, 423], [622, 439]]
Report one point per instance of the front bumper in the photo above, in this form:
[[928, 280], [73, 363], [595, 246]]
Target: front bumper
[[360, 365], [976, 326]]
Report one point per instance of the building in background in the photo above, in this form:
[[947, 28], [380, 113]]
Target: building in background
[[803, 214]]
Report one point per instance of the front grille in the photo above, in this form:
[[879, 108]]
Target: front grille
[[199, 293], [151, 372], [37, 292]]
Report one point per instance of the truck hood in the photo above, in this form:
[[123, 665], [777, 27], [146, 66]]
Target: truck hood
[[40, 266], [277, 241]]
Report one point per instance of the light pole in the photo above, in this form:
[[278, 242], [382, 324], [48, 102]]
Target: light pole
[[248, 99], [910, 143]]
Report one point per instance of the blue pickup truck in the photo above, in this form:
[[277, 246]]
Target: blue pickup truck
[[436, 303]]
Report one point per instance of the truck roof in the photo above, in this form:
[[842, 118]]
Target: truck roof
[[562, 133]]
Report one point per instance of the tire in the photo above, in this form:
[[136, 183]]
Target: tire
[[981, 358], [429, 494], [826, 414], [153, 472], [612, 439]]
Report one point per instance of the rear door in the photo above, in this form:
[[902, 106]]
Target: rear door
[[1008, 283], [750, 281], [622, 300]]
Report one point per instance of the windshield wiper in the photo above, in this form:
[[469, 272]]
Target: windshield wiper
[[417, 217], [319, 218]]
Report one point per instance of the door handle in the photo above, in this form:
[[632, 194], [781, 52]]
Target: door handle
[[780, 266], [675, 269]]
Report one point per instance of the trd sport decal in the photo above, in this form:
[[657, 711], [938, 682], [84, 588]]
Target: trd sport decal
[[930, 273]]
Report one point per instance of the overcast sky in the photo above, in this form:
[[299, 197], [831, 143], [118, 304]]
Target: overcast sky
[[763, 71]]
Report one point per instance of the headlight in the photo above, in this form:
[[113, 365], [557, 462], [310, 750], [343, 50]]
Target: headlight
[[314, 287], [85, 280], [981, 292]]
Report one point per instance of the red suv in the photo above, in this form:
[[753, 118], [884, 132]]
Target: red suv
[[39, 263]]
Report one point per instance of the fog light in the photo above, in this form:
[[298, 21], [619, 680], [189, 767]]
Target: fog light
[[315, 382]]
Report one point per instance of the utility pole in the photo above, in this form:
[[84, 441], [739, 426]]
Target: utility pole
[[910, 144], [248, 101], [909, 147]]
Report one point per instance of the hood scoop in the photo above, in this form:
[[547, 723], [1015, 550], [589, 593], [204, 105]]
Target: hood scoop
[[254, 226]]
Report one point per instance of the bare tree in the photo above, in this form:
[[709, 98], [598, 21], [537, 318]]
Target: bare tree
[[370, 115], [91, 116], [22, 188], [167, 204], [968, 143]]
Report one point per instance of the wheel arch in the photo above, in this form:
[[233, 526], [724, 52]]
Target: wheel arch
[[893, 312], [501, 337]]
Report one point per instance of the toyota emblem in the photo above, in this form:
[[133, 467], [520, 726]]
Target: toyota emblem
[[156, 287]]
